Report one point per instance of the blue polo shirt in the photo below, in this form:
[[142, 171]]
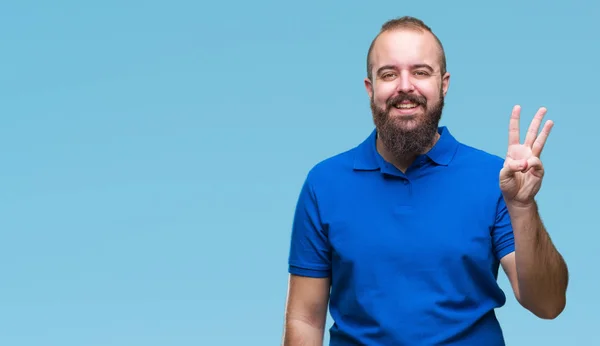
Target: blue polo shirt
[[413, 257]]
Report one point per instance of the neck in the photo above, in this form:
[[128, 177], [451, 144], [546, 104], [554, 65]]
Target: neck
[[402, 163]]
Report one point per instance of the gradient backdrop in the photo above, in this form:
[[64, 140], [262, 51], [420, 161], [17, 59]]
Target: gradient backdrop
[[152, 153]]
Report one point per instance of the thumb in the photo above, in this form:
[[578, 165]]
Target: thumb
[[536, 164]]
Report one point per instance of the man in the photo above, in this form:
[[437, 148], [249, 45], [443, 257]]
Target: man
[[404, 235]]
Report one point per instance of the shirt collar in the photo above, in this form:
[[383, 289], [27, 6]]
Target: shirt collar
[[368, 158], [444, 149]]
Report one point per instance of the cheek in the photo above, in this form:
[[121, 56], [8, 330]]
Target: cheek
[[383, 93], [431, 92]]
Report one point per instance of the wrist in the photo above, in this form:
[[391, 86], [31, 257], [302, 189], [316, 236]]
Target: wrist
[[519, 208], [516, 204]]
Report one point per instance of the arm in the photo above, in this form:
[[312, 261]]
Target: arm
[[536, 270], [310, 273], [306, 311]]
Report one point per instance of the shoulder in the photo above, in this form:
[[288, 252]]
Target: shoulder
[[332, 168], [476, 173], [477, 158], [477, 168], [326, 180]]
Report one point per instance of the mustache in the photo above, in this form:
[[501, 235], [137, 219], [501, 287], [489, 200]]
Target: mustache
[[419, 100]]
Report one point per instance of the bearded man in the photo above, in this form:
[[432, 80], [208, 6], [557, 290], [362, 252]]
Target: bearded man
[[402, 237]]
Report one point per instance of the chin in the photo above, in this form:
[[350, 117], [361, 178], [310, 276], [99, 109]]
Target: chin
[[406, 122]]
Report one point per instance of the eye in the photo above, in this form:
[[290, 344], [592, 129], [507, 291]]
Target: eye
[[388, 75], [421, 73]]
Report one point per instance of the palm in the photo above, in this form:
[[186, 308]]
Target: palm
[[521, 176]]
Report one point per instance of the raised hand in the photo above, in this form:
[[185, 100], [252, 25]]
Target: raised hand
[[521, 176]]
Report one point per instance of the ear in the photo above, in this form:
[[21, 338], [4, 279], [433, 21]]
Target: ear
[[369, 87], [445, 83]]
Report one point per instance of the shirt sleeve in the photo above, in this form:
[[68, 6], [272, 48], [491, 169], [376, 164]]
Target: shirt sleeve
[[502, 234], [309, 249]]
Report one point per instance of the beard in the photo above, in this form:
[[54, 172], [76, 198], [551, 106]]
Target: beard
[[405, 140]]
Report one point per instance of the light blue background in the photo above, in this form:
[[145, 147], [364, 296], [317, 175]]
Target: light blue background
[[152, 153]]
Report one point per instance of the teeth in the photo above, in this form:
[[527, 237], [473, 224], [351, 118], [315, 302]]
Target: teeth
[[406, 105]]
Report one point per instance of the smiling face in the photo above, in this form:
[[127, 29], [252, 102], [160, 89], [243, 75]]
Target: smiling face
[[407, 90]]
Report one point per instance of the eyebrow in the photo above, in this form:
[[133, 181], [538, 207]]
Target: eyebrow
[[392, 67]]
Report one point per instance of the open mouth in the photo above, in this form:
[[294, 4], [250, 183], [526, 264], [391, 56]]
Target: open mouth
[[405, 105]]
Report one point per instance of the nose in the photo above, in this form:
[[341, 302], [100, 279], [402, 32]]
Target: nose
[[405, 83]]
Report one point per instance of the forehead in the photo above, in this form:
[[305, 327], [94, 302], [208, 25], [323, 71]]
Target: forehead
[[404, 48]]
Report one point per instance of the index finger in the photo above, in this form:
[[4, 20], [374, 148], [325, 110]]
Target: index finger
[[513, 127]]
